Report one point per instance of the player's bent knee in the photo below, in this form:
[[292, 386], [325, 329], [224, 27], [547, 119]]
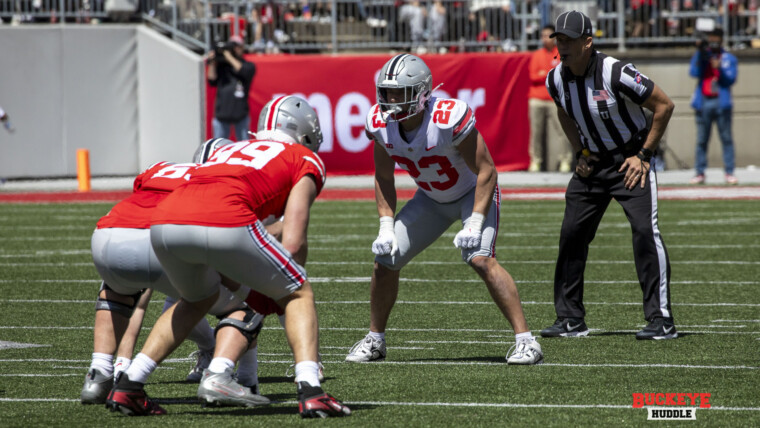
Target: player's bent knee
[[382, 270], [481, 263], [250, 326], [109, 300], [391, 263]]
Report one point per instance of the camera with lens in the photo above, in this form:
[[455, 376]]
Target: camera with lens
[[219, 49], [703, 43]]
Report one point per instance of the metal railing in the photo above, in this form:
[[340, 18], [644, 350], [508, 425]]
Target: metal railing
[[420, 26], [78, 11]]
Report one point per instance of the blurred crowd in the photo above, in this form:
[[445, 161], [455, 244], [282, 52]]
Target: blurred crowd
[[439, 25]]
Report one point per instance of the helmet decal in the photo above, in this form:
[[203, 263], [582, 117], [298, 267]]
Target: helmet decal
[[290, 118]]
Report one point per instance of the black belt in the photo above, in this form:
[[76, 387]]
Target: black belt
[[630, 148]]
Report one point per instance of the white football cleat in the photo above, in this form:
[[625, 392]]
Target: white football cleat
[[221, 389], [526, 352], [367, 349]]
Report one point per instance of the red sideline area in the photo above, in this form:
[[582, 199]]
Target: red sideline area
[[522, 193]]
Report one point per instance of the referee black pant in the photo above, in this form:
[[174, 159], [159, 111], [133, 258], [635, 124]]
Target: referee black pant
[[586, 200]]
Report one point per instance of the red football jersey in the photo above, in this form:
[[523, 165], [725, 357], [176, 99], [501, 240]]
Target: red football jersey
[[240, 183], [150, 187]]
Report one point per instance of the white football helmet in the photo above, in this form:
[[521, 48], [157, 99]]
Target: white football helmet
[[293, 117], [204, 151], [411, 74]]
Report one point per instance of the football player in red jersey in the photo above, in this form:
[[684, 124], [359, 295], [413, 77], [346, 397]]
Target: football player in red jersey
[[124, 259], [213, 223], [436, 141]]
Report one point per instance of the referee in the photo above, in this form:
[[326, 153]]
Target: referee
[[599, 103]]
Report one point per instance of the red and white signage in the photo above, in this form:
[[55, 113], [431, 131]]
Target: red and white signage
[[342, 90]]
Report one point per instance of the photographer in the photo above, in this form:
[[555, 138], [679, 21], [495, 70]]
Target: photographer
[[232, 75], [716, 71]]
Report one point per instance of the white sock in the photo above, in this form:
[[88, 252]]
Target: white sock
[[248, 367], [282, 320], [102, 362], [377, 336], [121, 365], [524, 337], [142, 366], [220, 364], [308, 371]]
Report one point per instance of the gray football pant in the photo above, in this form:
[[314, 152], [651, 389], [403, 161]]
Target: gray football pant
[[422, 221], [247, 254]]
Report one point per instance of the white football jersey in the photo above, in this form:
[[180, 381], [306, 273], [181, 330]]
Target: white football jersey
[[431, 158]]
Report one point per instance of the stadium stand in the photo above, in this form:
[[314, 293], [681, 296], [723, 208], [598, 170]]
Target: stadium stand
[[444, 26]]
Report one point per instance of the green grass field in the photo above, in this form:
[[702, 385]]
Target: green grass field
[[447, 340]]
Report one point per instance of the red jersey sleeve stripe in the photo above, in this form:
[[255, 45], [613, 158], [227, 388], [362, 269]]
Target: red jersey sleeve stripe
[[463, 123]]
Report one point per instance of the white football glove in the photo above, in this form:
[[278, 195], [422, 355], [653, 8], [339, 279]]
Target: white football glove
[[386, 242], [469, 236]]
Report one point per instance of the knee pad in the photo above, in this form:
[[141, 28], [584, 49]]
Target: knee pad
[[123, 309], [250, 326]]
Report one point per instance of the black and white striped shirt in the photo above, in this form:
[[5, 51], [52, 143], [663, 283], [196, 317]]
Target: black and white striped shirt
[[604, 103]]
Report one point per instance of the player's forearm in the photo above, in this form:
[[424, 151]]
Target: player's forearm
[[385, 197], [487, 178]]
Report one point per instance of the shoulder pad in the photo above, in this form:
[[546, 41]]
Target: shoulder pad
[[455, 115]]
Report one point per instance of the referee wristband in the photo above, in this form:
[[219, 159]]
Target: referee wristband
[[645, 155]]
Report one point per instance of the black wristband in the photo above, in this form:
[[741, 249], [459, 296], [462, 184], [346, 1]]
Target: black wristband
[[645, 155], [578, 154]]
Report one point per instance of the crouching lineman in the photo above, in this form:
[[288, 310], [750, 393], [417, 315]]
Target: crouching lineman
[[435, 140], [212, 223], [125, 260]]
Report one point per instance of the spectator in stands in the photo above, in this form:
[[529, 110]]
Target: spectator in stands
[[715, 71], [545, 130], [437, 22], [257, 30], [232, 75], [642, 17], [413, 14], [497, 14]]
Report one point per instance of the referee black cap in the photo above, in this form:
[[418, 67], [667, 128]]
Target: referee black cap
[[573, 24]]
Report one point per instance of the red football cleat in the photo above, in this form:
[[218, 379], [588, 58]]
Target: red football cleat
[[130, 398], [313, 402]]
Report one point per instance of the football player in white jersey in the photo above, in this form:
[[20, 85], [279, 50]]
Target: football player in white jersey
[[436, 141]]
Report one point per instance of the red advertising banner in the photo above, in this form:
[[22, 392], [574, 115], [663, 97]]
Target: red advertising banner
[[342, 90]]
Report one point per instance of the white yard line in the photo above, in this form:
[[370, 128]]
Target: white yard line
[[365, 248], [421, 404], [407, 302], [441, 263], [366, 279], [435, 363]]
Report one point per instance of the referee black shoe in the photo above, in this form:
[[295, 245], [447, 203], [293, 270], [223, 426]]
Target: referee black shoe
[[658, 329], [566, 327]]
